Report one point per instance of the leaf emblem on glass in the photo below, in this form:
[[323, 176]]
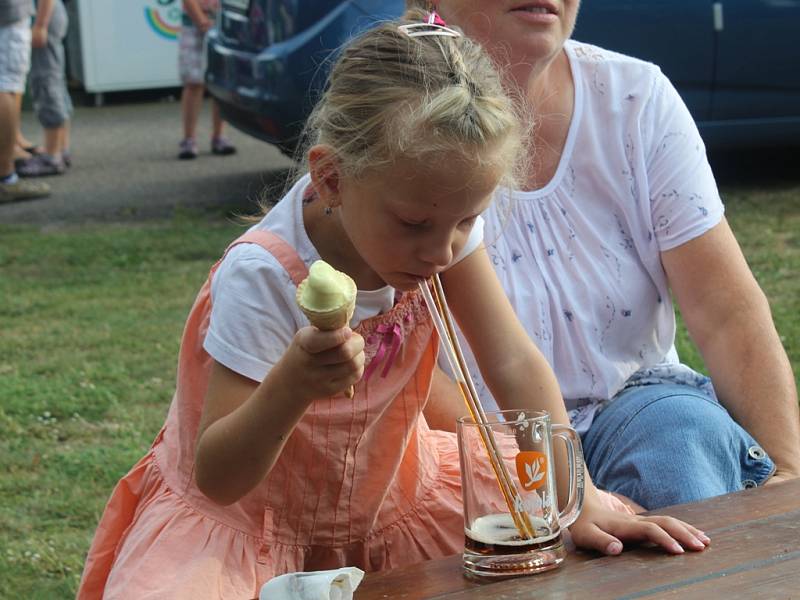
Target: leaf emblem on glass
[[531, 469]]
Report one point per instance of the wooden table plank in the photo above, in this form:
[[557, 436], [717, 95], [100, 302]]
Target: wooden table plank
[[755, 538], [723, 511], [780, 579]]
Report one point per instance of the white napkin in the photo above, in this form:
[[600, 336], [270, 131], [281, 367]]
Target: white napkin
[[337, 584]]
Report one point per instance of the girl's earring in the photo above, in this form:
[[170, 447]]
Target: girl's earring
[[328, 211]]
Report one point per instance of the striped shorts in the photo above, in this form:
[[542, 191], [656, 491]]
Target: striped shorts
[[191, 55]]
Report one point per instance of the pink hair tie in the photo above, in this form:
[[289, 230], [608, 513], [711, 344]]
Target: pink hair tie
[[435, 25], [435, 19]]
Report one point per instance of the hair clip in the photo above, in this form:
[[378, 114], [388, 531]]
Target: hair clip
[[434, 26]]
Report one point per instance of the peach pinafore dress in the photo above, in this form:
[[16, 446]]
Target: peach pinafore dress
[[360, 482]]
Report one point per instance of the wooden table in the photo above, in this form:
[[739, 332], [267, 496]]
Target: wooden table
[[754, 553]]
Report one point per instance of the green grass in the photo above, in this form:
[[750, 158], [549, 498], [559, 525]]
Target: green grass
[[90, 323], [91, 319]]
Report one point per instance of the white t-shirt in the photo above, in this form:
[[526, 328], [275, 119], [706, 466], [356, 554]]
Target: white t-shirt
[[254, 315], [580, 258]]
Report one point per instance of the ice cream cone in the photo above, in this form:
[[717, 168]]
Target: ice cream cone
[[328, 298], [330, 319]]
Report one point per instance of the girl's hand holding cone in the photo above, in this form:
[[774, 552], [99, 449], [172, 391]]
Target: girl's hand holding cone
[[329, 362]]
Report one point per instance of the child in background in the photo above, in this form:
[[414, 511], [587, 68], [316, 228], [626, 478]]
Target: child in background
[[264, 466], [15, 60], [48, 85], [198, 17]]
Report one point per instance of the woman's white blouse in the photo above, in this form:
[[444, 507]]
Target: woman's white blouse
[[580, 258]]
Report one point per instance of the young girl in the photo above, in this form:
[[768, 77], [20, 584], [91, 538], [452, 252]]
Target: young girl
[[264, 465]]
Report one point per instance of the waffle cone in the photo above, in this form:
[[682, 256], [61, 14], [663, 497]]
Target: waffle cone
[[332, 319]]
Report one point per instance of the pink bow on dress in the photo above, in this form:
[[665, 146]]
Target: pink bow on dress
[[391, 338]]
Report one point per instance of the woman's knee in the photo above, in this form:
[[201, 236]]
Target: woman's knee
[[693, 413], [646, 413], [673, 446]]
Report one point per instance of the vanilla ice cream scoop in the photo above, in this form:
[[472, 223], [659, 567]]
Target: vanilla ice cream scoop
[[327, 296], [324, 289]]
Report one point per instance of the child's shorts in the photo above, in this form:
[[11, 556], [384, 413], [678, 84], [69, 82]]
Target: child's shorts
[[15, 56], [191, 55]]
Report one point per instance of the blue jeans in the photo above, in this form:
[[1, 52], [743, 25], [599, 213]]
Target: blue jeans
[[665, 444]]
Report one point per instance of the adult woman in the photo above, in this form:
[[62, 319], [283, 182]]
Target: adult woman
[[619, 211]]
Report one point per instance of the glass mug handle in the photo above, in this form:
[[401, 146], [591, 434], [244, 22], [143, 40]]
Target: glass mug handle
[[576, 474]]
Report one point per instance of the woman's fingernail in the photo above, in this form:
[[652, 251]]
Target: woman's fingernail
[[703, 537], [677, 548], [614, 548]]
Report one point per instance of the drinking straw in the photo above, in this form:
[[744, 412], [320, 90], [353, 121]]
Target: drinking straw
[[443, 321]]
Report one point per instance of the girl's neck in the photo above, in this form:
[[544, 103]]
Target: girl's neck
[[334, 246]]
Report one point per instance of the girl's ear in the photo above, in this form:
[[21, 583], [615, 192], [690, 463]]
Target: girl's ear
[[325, 174]]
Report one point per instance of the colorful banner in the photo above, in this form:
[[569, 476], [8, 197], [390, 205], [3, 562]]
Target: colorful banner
[[164, 18]]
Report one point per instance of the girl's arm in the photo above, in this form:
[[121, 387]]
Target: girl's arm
[[519, 377], [245, 425], [445, 403], [511, 365]]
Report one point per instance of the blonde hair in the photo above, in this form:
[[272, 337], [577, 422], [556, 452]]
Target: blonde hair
[[421, 4], [390, 96]]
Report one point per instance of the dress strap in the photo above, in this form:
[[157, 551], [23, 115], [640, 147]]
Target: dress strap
[[279, 248]]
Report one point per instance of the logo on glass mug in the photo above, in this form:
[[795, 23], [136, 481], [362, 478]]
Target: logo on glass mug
[[531, 469]]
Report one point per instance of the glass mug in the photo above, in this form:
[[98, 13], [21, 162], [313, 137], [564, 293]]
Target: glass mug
[[502, 541]]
